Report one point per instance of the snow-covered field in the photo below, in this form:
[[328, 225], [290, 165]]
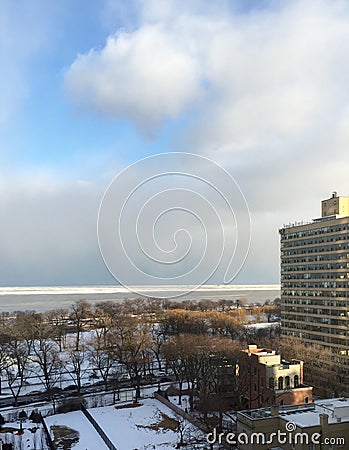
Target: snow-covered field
[[149, 426], [76, 427], [134, 428]]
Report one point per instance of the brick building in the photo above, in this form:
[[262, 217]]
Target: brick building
[[272, 380]]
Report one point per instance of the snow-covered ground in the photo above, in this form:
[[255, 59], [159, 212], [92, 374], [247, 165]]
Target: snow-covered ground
[[263, 325], [146, 427], [134, 427], [83, 434], [33, 436]]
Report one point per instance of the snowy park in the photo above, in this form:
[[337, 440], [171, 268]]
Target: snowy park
[[143, 426]]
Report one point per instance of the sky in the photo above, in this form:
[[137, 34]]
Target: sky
[[89, 88]]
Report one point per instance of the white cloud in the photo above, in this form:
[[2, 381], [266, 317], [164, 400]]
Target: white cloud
[[145, 76], [270, 91], [256, 78]]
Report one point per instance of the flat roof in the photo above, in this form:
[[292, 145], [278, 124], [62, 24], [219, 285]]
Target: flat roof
[[307, 415], [337, 410]]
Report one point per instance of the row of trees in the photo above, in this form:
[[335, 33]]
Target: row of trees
[[200, 347], [108, 334]]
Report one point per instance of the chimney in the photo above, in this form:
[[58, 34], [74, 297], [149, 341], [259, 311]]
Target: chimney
[[252, 348], [301, 372], [275, 409], [324, 422]]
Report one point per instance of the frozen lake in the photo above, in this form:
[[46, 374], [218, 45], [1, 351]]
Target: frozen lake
[[44, 298]]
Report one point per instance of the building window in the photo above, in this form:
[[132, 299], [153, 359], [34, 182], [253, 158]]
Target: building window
[[296, 381], [306, 400], [287, 382], [280, 383], [271, 383]]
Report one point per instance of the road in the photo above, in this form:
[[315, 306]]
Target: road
[[29, 398]]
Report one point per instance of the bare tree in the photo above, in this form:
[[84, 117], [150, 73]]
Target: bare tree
[[321, 364], [225, 324], [181, 321], [18, 371], [5, 360], [45, 355], [16, 347], [80, 313], [105, 317], [189, 436], [101, 358], [131, 344], [158, 339], [77, 366], [58, 319], [176, 351]]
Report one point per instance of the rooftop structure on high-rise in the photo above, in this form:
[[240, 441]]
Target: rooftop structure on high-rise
[[315, 280]]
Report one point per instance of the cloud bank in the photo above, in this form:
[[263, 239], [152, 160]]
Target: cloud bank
[[260, 87], [48, 231], [146, 76], [256, 77], [266, 91]]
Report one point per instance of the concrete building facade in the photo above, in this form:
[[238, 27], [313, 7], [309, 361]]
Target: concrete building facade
[[322, 425], [315, 281]]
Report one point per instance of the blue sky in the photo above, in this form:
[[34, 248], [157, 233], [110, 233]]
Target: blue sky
[[88, 88], [52, 134]]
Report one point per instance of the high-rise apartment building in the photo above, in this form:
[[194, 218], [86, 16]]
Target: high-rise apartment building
[[315, 279]]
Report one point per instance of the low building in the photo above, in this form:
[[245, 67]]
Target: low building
[[322, 425], [272, 380]]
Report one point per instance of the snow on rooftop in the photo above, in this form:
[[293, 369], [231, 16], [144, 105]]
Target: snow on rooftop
[[332, 403], [303, 418], [335, 408]]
